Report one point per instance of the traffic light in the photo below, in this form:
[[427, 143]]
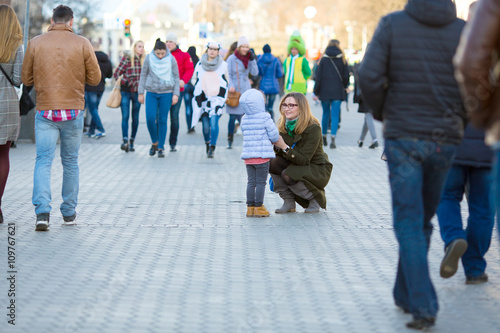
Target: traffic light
[[127, 23]]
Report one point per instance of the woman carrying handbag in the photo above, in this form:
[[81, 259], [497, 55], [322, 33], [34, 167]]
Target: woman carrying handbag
[[332, 79], [240, 64], [11, 61]]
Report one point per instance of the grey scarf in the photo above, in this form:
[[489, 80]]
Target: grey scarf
[[210, 66]]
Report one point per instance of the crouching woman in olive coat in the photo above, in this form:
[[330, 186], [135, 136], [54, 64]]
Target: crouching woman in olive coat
[[301, 169]]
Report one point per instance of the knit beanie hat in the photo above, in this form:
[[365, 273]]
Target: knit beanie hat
[[171, 37], [266, 48], [213, 45], [243, 41]]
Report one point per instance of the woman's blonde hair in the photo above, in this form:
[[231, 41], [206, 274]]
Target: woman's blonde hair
[[306, 117], [141, 58], [11, 35], [336, 43]]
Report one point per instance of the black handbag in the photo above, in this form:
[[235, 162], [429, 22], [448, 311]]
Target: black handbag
[[25, 102]]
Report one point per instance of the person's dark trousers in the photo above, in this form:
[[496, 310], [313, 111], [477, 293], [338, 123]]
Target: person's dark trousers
[[417, 173], [93, 98], [496, 177], [188, 103], [476, 182], [127, 98], [256, 186], [174, 120], [270, 103]]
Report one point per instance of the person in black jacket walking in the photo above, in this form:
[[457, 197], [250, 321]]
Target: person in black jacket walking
[[93, 94], [470, 174], [332, 79], [407, 79]]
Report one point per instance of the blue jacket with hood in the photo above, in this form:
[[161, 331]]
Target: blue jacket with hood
[[270, 70], [259, 130]]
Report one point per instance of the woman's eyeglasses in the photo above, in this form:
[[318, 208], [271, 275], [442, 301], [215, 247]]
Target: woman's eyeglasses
[[288, 106], [212, 49]]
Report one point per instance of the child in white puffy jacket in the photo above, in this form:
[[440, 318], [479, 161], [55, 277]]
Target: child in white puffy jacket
[[259, 134]]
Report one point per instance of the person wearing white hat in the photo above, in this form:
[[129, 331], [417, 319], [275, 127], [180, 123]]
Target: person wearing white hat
[[210, 94], [240, 64]]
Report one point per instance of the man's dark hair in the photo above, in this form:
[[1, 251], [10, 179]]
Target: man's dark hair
[[62, 14]]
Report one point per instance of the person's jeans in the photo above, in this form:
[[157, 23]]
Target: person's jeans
[[188, 103], [46, 133], [270, 103], [417, 173], [476, 182], [256, 186], [174, 120], [331, 112], [93, 98], [496, 178], [128, 97], [231, 123], [157, 107], [210, 128]]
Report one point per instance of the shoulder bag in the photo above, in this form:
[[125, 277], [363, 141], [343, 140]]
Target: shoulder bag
[[341, 82], [233, 98], [25, 101], [115, 98]]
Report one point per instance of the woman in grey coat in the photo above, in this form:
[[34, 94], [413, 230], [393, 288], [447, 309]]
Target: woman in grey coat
[[11, 60], [239, 65]]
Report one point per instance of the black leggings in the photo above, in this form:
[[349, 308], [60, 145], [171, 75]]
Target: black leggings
[[278, 166], [4, 168]]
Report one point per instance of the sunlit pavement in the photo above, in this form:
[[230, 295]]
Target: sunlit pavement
[[163, 245]]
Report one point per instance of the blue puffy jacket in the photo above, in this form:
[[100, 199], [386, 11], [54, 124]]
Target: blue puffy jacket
[[259, 130], [270, 71]]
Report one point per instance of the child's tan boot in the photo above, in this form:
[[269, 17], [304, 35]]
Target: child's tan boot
[[260, 212]]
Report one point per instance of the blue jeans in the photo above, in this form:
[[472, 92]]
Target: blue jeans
[[188, 103], [128, 97], [46, 133], [174, 120], [231, 123], [210, 128], [157, 107], [93, 98], [270, 103], [476, 182], [331, 112], [417, 173], [496, 177]]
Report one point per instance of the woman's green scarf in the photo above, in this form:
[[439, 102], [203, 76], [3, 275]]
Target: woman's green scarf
[[290, 126]]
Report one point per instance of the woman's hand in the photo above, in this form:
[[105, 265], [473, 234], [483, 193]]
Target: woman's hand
[[281, 144], [181, 84], [175, 99], [231, 89], [141, 98]]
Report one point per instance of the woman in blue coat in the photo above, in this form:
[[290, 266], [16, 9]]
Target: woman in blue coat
[[239, 65], [270, 71]]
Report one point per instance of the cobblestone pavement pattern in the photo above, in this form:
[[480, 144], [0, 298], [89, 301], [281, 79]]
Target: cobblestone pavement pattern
[[163, 245]]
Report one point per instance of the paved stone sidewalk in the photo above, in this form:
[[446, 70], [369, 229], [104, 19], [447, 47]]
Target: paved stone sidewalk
[[163, 245]]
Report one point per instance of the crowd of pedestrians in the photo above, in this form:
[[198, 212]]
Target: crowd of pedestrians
[[434, 156]]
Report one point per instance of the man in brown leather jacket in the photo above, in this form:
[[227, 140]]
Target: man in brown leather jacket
[[58, 63], [478, 72]]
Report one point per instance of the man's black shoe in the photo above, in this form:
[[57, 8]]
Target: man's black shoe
[[483, 278], [421, 324], [454, 252]]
